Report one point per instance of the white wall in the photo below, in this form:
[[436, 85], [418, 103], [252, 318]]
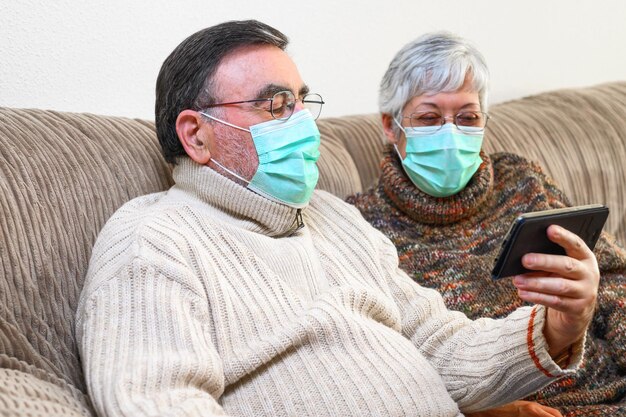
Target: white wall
[[103, 57]]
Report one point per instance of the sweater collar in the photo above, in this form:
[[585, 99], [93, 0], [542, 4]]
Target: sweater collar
[[427, 209], [239, 204]]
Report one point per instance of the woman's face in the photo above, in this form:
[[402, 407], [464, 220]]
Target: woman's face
[[447, 105]]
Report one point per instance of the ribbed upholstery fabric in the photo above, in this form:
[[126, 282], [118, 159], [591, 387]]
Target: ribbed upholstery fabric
[[26, 394], [350, 154], [61, 177], [63, 174], [578, 136]]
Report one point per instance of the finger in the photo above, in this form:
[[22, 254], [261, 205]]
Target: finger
[[558, 264], [550, 285], [549, 412], [548, 300], [572, 243], [554, 412], [565, 305], [545, 413], [530, 409], [577, 304]]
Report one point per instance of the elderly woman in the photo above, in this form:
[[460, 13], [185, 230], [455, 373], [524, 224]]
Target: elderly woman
[[446, 205]]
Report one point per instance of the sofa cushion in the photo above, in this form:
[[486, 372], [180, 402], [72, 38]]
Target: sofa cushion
[[62, 176], [30, 393]]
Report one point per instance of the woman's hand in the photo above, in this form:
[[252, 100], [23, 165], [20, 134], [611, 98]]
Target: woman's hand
[[567, 285], [518, 409]]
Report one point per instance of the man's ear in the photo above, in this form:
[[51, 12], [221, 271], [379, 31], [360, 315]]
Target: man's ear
[[195, 135], [388, 128]]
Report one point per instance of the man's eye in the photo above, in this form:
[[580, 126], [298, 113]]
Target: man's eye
[[278, 111], [278, 104], [264, 105]]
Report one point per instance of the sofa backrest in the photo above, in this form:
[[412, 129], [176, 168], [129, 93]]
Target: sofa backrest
[[63, 174], [578, 136]]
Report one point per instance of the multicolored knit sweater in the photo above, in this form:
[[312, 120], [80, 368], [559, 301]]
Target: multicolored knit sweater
[[450, 244]]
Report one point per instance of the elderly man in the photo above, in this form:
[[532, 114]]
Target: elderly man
[[241, 291]]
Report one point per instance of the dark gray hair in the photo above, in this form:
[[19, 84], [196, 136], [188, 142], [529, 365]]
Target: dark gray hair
[[185, 80], [433, 63]]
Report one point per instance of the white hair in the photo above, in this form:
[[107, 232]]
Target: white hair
[[433, 63]]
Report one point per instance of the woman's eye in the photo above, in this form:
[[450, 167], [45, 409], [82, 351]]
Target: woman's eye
[[468, 118], [426, 119]]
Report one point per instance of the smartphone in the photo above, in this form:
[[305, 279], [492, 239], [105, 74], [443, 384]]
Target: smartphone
[[528, 234]]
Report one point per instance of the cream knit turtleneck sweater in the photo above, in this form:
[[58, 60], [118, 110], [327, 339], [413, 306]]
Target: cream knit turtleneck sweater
[[203, 301]]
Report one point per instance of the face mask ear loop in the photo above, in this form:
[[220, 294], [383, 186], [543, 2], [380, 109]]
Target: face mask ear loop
[[239, 177], [399, 125], [395, 146], [397, 151], [230, 172], [224, 122]]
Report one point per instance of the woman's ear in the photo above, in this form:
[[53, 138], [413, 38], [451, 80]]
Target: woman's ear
[[388, 128], [194, 134]]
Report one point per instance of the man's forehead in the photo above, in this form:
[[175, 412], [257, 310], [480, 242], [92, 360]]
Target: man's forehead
[[256, 70]]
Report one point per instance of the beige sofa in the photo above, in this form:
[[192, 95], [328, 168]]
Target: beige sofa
[[63, 174]]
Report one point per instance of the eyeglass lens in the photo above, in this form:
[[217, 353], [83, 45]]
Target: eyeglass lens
[[284, 103], [468, 119]]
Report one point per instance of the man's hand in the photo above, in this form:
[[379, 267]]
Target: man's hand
[[567, 285], [519, 409]]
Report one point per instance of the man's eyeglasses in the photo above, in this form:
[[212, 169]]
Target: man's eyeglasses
[[282, 104], [466, 121]]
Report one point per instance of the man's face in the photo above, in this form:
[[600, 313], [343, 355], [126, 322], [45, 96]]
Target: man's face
[[251, 72]]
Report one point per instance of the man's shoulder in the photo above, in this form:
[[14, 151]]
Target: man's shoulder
[[152, 230], [331, 209], [135, 212], [150, 218], [325, 201]]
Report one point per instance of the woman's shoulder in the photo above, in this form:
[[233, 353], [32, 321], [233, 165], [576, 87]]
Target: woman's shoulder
[[515, 163], [501, 158]]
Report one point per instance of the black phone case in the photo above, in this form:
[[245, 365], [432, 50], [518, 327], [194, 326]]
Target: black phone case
[[528, 234]]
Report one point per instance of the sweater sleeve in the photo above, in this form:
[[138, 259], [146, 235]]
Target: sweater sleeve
[[144, 339], [483, 363]]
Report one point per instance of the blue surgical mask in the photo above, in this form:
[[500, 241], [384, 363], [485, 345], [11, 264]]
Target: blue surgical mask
[[288, 153], [441, 163]]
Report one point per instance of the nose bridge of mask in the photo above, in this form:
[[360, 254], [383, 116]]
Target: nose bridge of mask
[[448, 137], [296, 137]]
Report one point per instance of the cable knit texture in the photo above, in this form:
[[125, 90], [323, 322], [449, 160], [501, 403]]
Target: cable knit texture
[[205, 300], [450, 244]]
